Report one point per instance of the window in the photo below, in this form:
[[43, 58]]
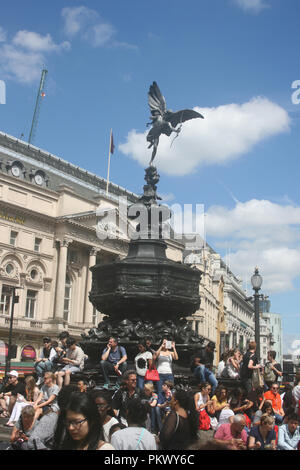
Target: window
[[95, 316], [9, 268], [34, 274], [30, 303], [37, 244], [13, 237], [5, 301], [67, 301], [73, 256]]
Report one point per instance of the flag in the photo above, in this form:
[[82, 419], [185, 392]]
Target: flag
[[112, 145]]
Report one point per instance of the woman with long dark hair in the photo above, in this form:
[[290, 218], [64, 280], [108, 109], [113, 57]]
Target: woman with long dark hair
[[103, 402], [165, 356], [220, 400], [180, 427], [81, 420], [135, 436]]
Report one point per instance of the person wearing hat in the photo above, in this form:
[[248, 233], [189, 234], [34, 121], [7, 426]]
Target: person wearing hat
[[9, 395], [202, 364], [45, 362]]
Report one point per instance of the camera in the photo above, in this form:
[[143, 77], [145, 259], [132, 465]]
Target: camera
[[168, 345]]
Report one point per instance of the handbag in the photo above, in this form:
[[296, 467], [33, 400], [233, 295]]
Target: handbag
[[152, 375], [257, 380], [204, 420], [229, 372], [269, 375]]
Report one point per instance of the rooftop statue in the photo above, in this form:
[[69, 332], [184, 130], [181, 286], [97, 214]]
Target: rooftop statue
[[163, 120]]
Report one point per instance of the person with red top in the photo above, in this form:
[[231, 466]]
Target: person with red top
[[273, 396], [233, 434]]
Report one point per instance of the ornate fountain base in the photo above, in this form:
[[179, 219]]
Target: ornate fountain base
[[145, 294]]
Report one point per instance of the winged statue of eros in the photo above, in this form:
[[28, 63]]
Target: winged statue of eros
[[163, 120]]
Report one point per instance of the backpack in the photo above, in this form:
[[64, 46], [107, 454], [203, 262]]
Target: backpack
[[269, 375]]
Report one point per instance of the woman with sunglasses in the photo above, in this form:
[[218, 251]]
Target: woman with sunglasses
[[103, 402], [82, 425], [273, 395]]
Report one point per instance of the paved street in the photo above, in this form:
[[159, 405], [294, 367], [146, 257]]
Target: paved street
[[4, 431]]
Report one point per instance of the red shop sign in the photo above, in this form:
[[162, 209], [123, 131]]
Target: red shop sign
[[28, 352]]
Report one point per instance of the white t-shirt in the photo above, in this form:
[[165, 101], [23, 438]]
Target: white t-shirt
[[141, 362], [225, 414], [164, 364], [296, 395], [202, 400], [133, 439], [106, 428], [221, 367]]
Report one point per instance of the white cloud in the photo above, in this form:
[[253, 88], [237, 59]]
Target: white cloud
[[247, 217], [225, 133], [88, 24], [291, 342], [38, 43], [2, 35], [76, 19], [263, 233], [23, 66], [24, 58], [100, 34], [167, 197], [252, 6]]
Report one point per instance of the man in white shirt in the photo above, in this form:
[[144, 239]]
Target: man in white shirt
[[74, 361], [289, 434]]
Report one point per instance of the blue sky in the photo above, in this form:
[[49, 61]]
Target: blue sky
[[234, 60]]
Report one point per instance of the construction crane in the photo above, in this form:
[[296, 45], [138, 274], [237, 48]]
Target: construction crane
[[40, 96]]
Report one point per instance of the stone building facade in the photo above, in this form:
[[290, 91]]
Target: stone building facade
[[225, 316], [53, 229]]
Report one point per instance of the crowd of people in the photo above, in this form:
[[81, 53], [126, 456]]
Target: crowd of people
[[143, 409]]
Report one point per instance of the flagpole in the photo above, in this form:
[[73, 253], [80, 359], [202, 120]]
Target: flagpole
[[108, 168]]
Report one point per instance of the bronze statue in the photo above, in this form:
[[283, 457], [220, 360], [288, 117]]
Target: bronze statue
[[164, 121]]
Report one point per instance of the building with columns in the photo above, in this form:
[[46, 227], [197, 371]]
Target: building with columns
[[270, 332], [225, 316], [54, 226]]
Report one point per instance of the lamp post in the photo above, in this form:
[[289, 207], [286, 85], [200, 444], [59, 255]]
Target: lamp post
[[256, 281]]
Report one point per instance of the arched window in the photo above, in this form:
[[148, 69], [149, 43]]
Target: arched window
[[68, 293]]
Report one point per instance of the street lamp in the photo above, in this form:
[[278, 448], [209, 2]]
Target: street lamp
[[256, 281]]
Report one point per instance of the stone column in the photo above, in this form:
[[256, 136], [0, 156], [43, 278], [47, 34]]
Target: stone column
[[88, 313], [61, 279]]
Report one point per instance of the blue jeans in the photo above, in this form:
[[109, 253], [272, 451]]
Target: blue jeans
[[108, 368], [140, 382], [205, 375], [162, 379], [156, 422], [42, 367], [278, 418]]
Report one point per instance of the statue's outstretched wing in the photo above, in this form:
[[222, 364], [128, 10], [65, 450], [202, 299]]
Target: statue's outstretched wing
[[181, 116], [156, 100]]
